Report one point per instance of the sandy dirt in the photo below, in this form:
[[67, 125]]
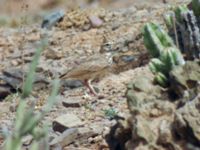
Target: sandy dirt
[[70, 46]]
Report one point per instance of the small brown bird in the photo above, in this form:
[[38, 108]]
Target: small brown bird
[[91, 70]]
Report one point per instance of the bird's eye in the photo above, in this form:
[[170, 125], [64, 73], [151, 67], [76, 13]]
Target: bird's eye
[[107, 44]]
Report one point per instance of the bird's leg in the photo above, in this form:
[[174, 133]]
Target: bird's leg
[[89, 86]]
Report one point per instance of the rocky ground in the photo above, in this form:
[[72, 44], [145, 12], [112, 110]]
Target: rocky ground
[[105, 29]]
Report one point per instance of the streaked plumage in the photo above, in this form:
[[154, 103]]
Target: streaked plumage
[[93, 69]]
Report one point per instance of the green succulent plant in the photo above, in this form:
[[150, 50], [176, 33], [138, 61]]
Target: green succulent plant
[[175, 16], [156, 65], [161, 79], [178, 12], [156, 39], [169, 58], [161, 47], [183, 26], [172, 56], [169, 19]]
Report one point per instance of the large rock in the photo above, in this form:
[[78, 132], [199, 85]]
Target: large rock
[[157, 121], [141, 91], [185, 77], [187, 121]]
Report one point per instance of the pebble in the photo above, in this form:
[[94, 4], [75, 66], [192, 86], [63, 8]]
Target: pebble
[[66, 138], [95, 21], [4, 92], [66, 121], [14, 62], [53, 54], [95, 139], [51, 19], [72, 102], [72, 84]]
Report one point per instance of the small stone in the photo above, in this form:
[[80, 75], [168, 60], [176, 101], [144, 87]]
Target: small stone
[[72, 103], [95, 139], [87, 132], [90, 140], [128, 58], [106, 131], [4, 107], [13, 107], [4, 92], [97, 128], [33, 37], [84, 134], [95, 21], [101, 96], [53, 54], [154, 113], [14, 63], [89, 51], [27, 140], [51, 19], [98, 138], [66, 121], [72, 84], [66, 138]]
